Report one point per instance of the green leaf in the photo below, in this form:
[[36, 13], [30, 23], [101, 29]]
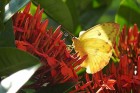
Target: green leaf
[[58, 11], [2, 5], [7, 34], [12, 60], [104, 13], [27, 91], [14, 82], [128, 13], [91, 17], [2, 10], [84, 5], [12, 7], [110, 12], [75, 17], [58, 88], [99, 3], [1, 25]]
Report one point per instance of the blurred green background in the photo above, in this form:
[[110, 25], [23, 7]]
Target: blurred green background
[[77, 15]]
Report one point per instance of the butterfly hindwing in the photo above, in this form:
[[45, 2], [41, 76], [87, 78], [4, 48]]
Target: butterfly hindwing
[[96, 63], [99, 53]]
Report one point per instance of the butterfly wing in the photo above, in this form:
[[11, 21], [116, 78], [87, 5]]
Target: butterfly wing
[[105, 31], [97, 44], [98, 51]]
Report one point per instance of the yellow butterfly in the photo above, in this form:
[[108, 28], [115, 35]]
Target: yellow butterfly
[[97, 44]]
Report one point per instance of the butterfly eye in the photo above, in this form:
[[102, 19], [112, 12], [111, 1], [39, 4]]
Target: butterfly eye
[[99, 34]]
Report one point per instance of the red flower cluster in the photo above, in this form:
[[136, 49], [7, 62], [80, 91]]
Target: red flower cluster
[[128, 52], [121, 77], [96, 83], [32, 36]]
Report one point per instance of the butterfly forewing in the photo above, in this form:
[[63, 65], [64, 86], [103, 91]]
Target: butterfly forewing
[[106, 32]]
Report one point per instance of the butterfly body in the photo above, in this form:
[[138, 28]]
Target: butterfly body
[[97, 44]]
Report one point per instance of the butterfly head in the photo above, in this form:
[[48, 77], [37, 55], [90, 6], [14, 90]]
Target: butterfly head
[[76, 43]]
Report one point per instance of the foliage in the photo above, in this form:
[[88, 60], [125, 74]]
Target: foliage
[[20, 49]]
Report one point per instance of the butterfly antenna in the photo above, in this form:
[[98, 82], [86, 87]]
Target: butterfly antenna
[[68, 33]]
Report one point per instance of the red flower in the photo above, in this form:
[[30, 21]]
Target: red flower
[[32, 36], [98, 83]]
